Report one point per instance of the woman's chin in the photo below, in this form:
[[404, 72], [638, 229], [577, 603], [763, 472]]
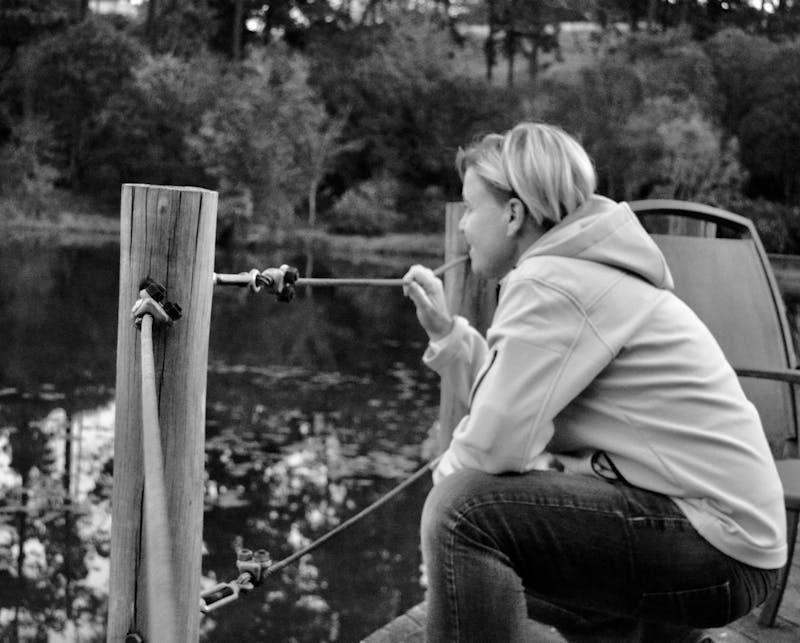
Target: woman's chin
[[478, 267]]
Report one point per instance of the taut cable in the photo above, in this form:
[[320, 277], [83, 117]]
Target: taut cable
[[359, 281], [255, 280]]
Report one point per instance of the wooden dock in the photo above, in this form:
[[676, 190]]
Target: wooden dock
[[409, 627]]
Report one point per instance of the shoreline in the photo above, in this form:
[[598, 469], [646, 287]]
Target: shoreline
[[71, 229]]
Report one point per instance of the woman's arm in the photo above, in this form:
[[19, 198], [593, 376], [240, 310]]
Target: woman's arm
[[542, 352]]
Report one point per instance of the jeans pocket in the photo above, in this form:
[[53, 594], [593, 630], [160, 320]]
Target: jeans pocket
[[704, 607]]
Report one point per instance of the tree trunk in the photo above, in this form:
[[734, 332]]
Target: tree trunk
[[511, 52], [312, 202], [150, 25], [81, 10], [533, 59], [75, 155], [652, 8], [489, 46], [236, 41], [683, 12]]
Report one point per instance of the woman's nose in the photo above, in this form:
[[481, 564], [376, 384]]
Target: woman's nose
[[462, 221]]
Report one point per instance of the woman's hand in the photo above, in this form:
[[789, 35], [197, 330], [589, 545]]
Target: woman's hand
[[427, 292]]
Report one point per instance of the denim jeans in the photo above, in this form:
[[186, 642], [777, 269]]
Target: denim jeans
[[599, 560]]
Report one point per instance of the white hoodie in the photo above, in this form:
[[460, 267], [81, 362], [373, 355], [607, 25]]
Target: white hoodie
[[590, 353]]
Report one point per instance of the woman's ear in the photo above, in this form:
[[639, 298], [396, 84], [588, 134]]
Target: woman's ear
[[515, 211]]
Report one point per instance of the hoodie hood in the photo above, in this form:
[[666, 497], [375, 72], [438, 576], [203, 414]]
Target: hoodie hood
[[606, 232]]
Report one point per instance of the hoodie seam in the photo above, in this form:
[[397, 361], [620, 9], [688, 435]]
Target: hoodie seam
[[611, 231], [643, 434], [590, 305], [550, 390], [628, 219], [578, 306]]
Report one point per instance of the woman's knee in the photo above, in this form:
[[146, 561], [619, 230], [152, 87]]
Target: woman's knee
[[449, 501]]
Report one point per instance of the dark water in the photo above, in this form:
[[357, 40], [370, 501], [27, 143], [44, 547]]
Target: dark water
[[314, 409]]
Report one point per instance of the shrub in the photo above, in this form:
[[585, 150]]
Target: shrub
[[144, 127], [678, 153], [250, 138], [369, 209], [25, 168], [778, 224]]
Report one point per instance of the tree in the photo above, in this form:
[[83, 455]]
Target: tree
[[321, 143], [23, 21], [738, 60], [142, 131], [24, 168], [673, 64], [413, 106], [179, 27], [594, 102], [528, 27], [239, 23], [73, 75], [770, 131], [247, 140], [678, 153]]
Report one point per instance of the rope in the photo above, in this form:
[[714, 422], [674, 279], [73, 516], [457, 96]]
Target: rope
[[357, 281], [160, 583], [224, 593], [356, 518]]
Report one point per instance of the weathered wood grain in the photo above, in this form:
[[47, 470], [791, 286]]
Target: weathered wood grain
[[166, 233]]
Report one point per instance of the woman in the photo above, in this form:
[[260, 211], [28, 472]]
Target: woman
[[610, 477]]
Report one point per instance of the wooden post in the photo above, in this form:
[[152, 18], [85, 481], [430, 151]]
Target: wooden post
[[166, 233], [469, 296]]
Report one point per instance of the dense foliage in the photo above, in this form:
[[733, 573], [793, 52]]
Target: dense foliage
[[349, 114]]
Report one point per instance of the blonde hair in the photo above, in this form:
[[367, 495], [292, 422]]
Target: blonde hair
[[542, 165]]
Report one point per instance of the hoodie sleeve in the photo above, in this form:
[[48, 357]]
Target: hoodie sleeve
[[459, 356], [542, 351]]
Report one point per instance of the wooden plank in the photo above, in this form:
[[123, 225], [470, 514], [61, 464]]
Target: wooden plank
[[410, 628]]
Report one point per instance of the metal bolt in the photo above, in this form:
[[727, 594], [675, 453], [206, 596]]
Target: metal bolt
[[174, 311], [153, 288]]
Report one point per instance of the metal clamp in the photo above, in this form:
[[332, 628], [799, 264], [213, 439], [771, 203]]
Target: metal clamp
[[278, 281], [281, 281], [242, 279], [252, 567], [151, 296]]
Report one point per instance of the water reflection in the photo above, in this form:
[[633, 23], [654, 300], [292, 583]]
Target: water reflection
[[314, 409]]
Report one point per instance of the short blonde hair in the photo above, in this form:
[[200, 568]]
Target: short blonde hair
[[542, 165]]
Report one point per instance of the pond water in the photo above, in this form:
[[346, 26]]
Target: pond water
[[314, 409]]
